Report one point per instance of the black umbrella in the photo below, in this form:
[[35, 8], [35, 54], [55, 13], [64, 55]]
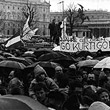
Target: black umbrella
[[49, 56], [64, 60], [47, 65], [19, 59], [12, 64], [42, 51], [10, 102]]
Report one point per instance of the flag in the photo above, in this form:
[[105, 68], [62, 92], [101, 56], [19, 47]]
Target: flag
[[14, 42], [27, 32], [63, 26]]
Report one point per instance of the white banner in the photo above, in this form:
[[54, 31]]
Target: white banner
[[84, 44]]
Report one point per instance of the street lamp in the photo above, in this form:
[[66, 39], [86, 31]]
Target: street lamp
[[62, 2]]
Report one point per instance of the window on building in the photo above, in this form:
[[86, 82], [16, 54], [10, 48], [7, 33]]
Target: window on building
[[13, 31], [18, 30], [43, 29], [43, 17], [13, 25], [8, 7], [8, 24], [8, 32], [19, 17], [92, 16], [18, 25], [9, 15], [44, 9]]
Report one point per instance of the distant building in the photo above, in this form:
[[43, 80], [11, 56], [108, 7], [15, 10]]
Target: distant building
[[99, 23], [11, 16]]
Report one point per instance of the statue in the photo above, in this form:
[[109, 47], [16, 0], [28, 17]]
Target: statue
[[81, 14]]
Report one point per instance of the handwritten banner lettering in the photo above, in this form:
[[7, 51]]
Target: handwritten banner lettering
[[82, 44]]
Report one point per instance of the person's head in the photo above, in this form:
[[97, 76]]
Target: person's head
[[103, 94], [91, 76], [84, 74], [107, 72], [56, 98], [15, 91], [39, 73], [89, 58], [11, 74], [79, 76], [76, 86], [53, 21], [58, 70], [91, 79], [40, 90]]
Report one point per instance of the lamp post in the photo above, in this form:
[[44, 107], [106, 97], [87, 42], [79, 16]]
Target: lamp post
[[62, 2]]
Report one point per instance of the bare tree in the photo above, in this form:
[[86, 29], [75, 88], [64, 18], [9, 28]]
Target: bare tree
[[31, 9], [75, 17], [71, 17], [2, 23]]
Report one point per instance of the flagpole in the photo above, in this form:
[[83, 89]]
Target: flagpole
[[62, 2]]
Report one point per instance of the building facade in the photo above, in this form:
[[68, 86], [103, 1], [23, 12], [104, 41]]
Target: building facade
[[11, 16], [99, 23]]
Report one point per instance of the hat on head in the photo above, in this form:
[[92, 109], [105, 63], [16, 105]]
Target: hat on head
[[72, 66], [38, 70], [58, 68], [89, 58]]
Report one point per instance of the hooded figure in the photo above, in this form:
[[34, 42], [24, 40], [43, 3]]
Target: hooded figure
[[41, 76]]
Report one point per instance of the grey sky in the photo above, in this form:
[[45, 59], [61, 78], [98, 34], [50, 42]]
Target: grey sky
[[88, 4]]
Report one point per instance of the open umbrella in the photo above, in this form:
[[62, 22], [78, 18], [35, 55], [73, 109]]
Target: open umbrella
[[97, 105], [10, 102], [2, 58], [42, 51], [12, 64], [87, 63], [64, 60], [49, 56], [19, 59], [28, 55], [47, 65], [44, 64], [56, 55], [6, 54], [104, 63]]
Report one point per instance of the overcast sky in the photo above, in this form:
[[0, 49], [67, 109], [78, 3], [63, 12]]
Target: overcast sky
[[88, 4]]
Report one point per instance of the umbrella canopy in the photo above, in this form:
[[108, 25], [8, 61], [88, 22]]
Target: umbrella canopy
[[104, 63], [28, 55], [15, 102], [54, 56], [47, 65], [12, 64], [42, 51], [19, 59], [87, 63], [64, 60], [44, 64], [83, 54], [6, 54], [99, 106], [49, 56], [2, 58]]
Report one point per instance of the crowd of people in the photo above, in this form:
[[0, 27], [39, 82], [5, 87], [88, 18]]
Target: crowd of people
[[72, 88]]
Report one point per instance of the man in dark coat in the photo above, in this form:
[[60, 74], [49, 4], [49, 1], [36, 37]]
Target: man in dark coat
[[53, 31]]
